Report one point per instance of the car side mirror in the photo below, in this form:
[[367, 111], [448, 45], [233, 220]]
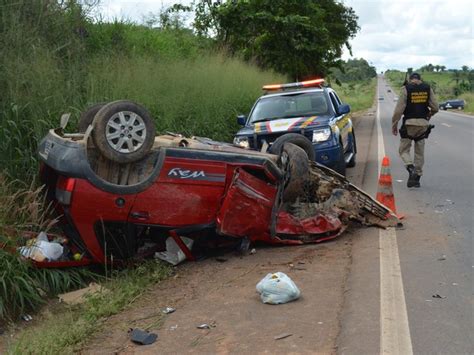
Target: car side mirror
[[343, 109], [241, 119]]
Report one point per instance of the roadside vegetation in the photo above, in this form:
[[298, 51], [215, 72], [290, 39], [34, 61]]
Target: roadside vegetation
[[65, 328], [447, 84], [355, 82]]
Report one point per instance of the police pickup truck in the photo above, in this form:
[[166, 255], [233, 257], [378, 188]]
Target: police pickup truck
[[307, 114]]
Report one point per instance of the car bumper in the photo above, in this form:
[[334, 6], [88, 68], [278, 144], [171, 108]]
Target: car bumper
[[328, 156]]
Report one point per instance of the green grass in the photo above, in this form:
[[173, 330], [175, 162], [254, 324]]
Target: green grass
[[67, 328], [360, 96]]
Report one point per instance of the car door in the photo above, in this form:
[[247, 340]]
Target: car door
[[342, 120], [188, 191]]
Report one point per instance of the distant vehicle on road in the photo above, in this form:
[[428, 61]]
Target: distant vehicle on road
[[452, 104]]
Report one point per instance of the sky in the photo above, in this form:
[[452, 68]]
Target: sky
[[394, 34]]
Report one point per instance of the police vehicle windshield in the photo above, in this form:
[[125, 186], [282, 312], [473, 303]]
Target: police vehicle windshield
[[290, 105]]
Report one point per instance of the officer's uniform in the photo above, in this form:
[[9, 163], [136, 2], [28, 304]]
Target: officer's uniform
[[417, 104]]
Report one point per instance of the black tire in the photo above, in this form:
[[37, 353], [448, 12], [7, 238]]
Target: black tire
[[88, 115], [115, 139], [352, 162], [341, 163], [295, 161], [296, 139]]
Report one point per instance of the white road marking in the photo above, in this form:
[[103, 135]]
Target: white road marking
[[394, 328], [447, 125]]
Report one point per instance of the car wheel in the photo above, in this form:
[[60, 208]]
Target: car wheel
[[296, 139], [124, 131], [341, 163], [88, 115], [352, 162], [296, 164], [460, 108]]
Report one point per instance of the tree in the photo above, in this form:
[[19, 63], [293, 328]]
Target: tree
[[299, 38], [354, 70]]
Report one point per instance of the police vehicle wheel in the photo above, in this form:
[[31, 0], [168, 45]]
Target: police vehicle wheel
[[124, 131], [296, 162], [341, 164], [352, 162], [296, 139], [88, 115]]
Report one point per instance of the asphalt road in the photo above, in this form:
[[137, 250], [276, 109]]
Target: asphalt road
[[435, 250]]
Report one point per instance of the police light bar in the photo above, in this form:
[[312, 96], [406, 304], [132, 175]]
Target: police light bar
[[300, 84]]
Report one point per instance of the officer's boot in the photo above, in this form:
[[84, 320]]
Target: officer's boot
[[417, 180], [412, 176]]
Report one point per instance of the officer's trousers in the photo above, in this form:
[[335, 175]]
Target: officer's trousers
[[405, 147]]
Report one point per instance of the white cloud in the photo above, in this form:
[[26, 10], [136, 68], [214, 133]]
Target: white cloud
[[403, 33]]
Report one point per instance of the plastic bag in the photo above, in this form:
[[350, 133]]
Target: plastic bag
[[173, 254], [277, 288], [42, 249]]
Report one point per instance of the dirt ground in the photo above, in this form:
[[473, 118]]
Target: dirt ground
[[224, 293]]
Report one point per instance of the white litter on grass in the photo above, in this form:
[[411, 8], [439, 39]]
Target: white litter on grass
[[42, 249]]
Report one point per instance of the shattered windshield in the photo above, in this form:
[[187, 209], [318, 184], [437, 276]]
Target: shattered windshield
[[291, 105]]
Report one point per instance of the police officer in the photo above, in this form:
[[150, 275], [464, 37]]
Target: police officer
[[417, 104]]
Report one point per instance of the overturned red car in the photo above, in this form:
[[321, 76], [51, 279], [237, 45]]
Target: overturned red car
[[122, 198]]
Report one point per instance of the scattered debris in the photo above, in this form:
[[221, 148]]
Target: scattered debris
[[207, 325], [27, 318], [282, 336], [455, 284], [253, 251], [79, 296], [41, 249], [277, 288], [399, 180], [174, 327], [301, 262], [169, 310], [437, 295], [221, 259], [320, 323], [142, 337], [443, 257], [173, 254]]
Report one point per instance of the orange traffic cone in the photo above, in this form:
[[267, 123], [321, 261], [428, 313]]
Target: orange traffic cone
[[385, 189]]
